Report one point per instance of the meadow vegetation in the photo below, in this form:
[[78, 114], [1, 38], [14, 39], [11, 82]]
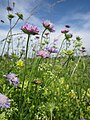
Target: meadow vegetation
[[40, 81]]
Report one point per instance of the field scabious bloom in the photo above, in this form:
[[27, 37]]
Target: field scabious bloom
[[30, 29], [4, 101], [48, 25], [43, 54], [12, 78], [52, 50], [64, 31]]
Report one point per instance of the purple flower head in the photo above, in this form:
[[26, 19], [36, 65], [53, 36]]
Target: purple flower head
[[4, 101], [12, 78], [48, 25], [64, 31], [67, 26], [43, 54], [82, 119], [30, 29], [52, 50]]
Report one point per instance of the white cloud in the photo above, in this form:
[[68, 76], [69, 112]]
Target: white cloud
[[82, 30], [26, 6]]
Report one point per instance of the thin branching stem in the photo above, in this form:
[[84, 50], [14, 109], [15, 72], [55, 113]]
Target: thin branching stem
[[8, 35]]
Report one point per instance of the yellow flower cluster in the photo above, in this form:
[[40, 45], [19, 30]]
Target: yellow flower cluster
[[20, 63]]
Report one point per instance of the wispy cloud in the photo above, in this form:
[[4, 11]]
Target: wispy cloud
[[85, 18]]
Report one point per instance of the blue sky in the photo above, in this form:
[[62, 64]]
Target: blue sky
[[76, 13]]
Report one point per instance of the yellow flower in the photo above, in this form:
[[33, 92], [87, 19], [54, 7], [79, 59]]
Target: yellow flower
[[88, 108], [20, 63], [69, 52], [61, 80], [72, 94], [88, 92]]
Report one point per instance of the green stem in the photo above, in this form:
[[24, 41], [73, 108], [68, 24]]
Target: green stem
[[51, 115], [8, 36], [25, 70], [35, 64], [76, 66], [58, 52], [11, 36], [42, 38], [66, 62]]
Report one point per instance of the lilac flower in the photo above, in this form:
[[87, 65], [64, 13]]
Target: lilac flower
[[4, 101], [64, 31], [52, 50], [82, 119], [43, 54], [48, 25], [67, 26], [30, 29], [12, 78]]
